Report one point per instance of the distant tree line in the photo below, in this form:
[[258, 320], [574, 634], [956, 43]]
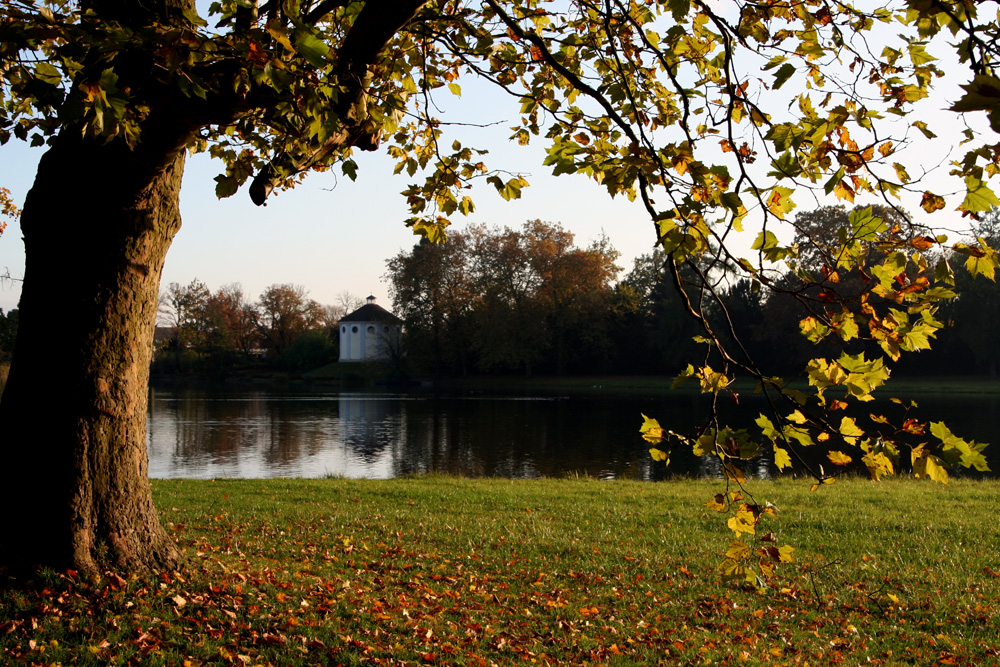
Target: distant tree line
[[762, 324], [8, 329], [214, 333], [526, 300], [529, 300]]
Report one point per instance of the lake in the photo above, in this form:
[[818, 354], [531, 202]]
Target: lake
[[198, 433]]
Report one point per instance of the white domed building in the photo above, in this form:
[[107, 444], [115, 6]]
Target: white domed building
[[370, 333]]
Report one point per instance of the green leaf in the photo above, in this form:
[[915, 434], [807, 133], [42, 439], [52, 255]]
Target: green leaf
[[226, 186], [48, 73], [350, 169], [782, 75], [922, 126], [679, 8], [982, 94], [978, 196], [312, 48], [957, 450], [865, 225]]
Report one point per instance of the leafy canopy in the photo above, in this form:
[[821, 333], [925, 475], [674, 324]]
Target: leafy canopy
[[720, 118]]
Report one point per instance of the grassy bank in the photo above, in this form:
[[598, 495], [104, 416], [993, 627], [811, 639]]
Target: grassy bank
[[482, 572], [658, 385]]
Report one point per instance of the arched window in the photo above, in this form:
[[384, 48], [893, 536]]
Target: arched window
[[343, 329], [354, 329], [371, 330]]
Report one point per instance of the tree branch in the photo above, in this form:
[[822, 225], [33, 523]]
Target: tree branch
[[322, 9], [376, 25]]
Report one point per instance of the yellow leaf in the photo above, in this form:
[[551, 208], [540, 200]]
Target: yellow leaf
[[658, 454], [731, 569], [813, 329], [743, 522], [785, 553], [839, 458], [712, 382], [738, 550], [718, 503], [844, 191], [651, 432], [732, 473], [850, 431], [704, 445], [781, 458], [879, 465], [926, 464], [779, 202]]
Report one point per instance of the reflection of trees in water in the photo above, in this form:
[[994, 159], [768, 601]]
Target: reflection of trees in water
[[297, 429], [370, 426], [200, 433], [505, 437], [206, 428], [199, 426], [758, 468]]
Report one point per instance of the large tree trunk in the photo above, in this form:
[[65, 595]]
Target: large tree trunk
[[74, 489]]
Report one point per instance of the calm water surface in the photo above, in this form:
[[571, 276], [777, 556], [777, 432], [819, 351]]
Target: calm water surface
[[212, 434]]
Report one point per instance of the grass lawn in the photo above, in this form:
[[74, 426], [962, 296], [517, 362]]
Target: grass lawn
[[904, 386], [447, 571]]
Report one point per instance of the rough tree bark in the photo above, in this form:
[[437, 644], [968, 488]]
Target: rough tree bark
[[96, 226]]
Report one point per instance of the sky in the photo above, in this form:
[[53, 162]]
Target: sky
[[332, 235]]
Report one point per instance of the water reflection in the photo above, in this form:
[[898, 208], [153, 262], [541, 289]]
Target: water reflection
[[201, 434]]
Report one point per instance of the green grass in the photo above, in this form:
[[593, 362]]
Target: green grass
[[450, 571], [657, 385]]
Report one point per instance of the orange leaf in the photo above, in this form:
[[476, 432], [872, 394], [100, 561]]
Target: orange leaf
[[931, 202]]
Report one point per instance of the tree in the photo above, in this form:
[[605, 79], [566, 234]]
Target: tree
[[233, 326], [509, 326], [347, 303], [183, 309], [669, 103], [657, 336], [431, 288], [283, 314], [977, 309], [8, 331], [506, 299]]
